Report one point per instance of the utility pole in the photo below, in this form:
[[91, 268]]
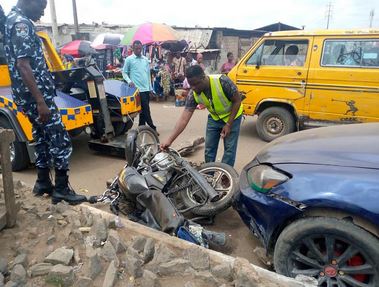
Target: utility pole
[[54, 24], [372, 13], [329, 13], [76, 24]]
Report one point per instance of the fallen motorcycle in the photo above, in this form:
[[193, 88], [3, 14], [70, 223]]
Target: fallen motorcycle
[[150, 186], [204, 190]]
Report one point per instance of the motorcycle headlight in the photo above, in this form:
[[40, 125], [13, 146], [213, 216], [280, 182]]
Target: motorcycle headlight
[[263, 178]]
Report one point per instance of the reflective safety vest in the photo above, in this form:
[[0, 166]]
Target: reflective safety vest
[[219, 106]]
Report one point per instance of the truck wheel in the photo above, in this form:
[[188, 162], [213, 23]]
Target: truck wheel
[[76, 132], [120, 128], [19, 154], [275, 122]]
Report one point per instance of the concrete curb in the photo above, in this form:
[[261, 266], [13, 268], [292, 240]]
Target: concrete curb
[[130, 229]]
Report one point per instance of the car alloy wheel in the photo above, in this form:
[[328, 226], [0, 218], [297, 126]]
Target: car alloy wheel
[[336, 252], [333, 261]]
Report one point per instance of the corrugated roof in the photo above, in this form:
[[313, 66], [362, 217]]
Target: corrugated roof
[[196, 38]]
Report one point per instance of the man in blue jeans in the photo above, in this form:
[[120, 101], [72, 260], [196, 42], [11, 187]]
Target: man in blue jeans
[[136, 72], [223, 101]]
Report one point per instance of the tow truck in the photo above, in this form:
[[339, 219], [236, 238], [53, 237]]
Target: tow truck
[[104, 109]]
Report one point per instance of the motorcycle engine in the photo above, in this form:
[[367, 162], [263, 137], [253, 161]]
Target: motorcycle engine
[[163, 161]]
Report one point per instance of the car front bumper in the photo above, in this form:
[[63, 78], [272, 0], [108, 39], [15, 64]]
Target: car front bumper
[[264, 213]]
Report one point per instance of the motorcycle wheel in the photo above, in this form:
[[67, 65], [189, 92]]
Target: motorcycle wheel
[[223, 178], [146, 138]]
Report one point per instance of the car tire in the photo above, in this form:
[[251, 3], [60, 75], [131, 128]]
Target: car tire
[[302, 249], [275, 122], [20, 159]]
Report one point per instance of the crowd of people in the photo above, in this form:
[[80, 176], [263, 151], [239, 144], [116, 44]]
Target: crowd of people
[[169, 72]]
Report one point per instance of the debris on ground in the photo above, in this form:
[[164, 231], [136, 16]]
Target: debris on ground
[[63, 245]]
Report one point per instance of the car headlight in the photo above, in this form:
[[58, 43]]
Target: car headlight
[[263, 178]]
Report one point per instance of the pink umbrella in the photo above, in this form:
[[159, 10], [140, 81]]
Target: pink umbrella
[[149, 33]]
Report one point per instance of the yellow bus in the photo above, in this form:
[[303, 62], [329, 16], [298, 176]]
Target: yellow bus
[[299, 79]]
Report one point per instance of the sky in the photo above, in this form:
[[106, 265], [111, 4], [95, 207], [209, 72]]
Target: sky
[[238, 14]]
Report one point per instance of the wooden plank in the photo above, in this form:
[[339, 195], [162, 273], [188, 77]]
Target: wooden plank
[[7, 137]]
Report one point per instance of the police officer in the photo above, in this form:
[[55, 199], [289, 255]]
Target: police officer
[[34, 91], [2, 21]]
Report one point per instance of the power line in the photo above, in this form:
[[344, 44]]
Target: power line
[[329, 13]]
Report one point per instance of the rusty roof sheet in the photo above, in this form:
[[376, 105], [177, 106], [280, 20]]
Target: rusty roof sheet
[[196, 38]]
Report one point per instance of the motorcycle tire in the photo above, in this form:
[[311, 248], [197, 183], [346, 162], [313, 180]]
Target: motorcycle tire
[[227, 174], [147, 136]]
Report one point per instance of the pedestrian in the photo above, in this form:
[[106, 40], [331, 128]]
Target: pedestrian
[[2, 21], [223, 101], [200, 60], [229, 64], [136, 72], [34, 91], [179, 68], [190, 61]]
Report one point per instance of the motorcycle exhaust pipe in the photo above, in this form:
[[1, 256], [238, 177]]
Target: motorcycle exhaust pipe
[[202, 182]]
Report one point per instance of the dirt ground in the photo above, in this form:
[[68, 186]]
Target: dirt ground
[[90, 170]]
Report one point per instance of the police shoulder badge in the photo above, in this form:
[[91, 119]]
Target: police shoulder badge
[[22, 29]]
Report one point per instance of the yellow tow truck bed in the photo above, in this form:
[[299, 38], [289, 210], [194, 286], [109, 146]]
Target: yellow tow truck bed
[[75, 113]]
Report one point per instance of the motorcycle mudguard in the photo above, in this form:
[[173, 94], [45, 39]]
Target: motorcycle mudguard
[[148, 219], [131, 147], [162, 210]]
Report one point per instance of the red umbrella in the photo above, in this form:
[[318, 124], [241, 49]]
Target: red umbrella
[[77, 48]]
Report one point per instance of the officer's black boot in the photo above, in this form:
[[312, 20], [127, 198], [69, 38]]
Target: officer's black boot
[[63, 190], [43, 183]]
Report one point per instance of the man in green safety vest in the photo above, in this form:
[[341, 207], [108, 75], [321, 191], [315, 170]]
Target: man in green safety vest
[[223, 101]]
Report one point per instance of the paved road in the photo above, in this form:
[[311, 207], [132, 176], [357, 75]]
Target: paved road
[[90, 170]]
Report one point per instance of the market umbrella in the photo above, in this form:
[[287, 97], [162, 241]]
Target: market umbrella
[[149, 33], [77, 48], [106, 39]]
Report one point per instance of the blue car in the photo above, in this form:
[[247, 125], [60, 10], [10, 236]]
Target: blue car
[[312, 198]]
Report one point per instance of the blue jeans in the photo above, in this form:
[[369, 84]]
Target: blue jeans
[[212, 139]]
